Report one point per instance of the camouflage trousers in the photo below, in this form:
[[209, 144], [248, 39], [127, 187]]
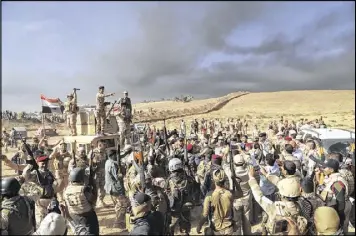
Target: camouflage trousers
[[242, 214], [124, 131], [100, 120], [61, 183], [183, 220], [100, 183], [227, 231], [72, 122], [41, 209], [121, 204]]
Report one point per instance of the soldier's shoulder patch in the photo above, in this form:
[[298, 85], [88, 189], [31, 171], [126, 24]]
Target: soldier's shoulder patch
[[338, 186]]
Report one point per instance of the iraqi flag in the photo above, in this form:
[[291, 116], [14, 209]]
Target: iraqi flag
[[51, 105]]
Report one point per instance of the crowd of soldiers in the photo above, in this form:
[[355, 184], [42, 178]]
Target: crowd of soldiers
[[238, 175]]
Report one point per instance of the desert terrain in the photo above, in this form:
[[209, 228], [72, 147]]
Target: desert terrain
[[336, 107]]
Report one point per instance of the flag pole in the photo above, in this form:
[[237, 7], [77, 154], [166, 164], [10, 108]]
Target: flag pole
[[43, 122]]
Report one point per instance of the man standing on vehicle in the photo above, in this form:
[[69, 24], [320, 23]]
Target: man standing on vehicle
[[71, 110], [100, 113]]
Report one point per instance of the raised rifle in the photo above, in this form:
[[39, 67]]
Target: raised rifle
[[73, 154], [33, 162], [165, 136], [118, 159], [91, 172], [112, 107]]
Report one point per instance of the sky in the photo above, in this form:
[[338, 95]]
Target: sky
[[160, 50]]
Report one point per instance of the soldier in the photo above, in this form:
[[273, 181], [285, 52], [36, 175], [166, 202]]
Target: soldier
[[81, 160], [13, 137], [265, 144], [144, 221], [100, 109], [42, 179], [179, 188], [125, 103], [289, 190], [114, 185], [242, 205], [17, 212], [5, 139], [335, 190], [218, 206], [208, 183], [323, 223], [80, 200], [99, 158], [60, 160], [159, 199], [309, 202], [71, 110]]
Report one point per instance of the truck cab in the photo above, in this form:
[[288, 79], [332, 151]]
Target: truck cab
[[332, 140]]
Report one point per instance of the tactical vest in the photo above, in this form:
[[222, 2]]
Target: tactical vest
[[348, 176], [283, 209], [76, 200], [180, 192], [20, 214], [327, 195]]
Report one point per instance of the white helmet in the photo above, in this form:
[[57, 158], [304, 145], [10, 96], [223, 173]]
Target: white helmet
[[175, 164]]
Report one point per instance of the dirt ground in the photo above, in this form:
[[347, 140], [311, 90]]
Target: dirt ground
[[336, 107]]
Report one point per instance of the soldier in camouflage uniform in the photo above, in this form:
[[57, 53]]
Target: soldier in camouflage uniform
[[159, 198], [71, 110], [99, 158], [179, 188], [289, 190], [5, 140], [242, 214], [80, 200], [60, 160], [43, 185], [100, 113], [17, 212], [82, 160], [218, 206]]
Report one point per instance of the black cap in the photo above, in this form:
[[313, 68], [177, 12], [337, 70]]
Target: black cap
[[262, 135], [101, 87], [333, 164], [141, 198]]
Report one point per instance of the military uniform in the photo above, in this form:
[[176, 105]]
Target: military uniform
[[60, 160], [279, 209], [242, 211], [46, 189], [218, 205], [80, 200], [99, 166], [17, 212], [5, 140], [100, 113], [71, 110]]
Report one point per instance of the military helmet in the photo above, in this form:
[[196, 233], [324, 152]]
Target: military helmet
[[77, 175], [219, 175], [10, 186], [239, 159], [289, 187], [175, 164]]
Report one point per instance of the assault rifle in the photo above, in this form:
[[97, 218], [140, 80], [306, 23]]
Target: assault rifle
[[165, 136], [33, 161], [91, 172], [118, 159], [112, 106], [73, 154]]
